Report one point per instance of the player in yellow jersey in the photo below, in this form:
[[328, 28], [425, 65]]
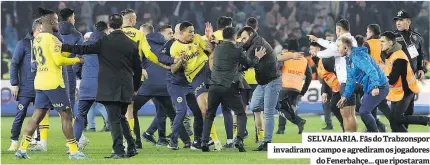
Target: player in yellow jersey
[[191, 49], [49, 85], [129, 23]]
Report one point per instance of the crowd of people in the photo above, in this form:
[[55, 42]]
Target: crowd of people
[[278, 21], [178, 67]]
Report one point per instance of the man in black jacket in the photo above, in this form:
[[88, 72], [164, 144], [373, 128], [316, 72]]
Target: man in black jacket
[[119, 79], [413, 45], [224, 85], [267, 75]]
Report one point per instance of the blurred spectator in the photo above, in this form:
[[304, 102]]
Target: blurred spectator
[[6, 55], [255, 9], [61, 6], [316, 31], [329, 35], [82, 28], [421, 25], [10, 34], [231, 9], [273, 17], [101, 12], [359, 17], [288, 10], [216, 12], [149, 10]]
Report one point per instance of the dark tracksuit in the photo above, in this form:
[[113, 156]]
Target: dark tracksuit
[[288, 100], [88, 72], [155, 88], [181, 95], [72, 37], [22, 75]]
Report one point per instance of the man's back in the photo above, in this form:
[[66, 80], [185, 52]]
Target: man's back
[[226, 64], [116, 61]]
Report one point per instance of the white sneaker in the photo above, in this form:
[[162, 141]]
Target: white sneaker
[[38, 147], [218, 145], [13, 146], [33, 142], [125, 145], [83, 142]]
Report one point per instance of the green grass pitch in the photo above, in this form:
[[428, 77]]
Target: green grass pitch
[[100, 146]]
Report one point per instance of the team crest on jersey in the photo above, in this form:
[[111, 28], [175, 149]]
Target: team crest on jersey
[[190, 47], [163, 51], [20, 107], [179, 100]]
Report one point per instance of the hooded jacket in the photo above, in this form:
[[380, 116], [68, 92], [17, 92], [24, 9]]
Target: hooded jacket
[[89, 70], [266, 69], [361, 68], [155, 85], [21, 71], [71, 37]]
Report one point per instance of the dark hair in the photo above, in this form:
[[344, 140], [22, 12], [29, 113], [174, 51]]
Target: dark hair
[[252, 22], [315, 44], [389, 35], [41, 12], [375, 29], [148, 27], [293, 45], [185, 25], [36, 23], [223, 22], [228, 33], [115, 21], [328, 31], [360, 40], [247, 29], [127, 11], [164, 27], [66, 13], [100, 26], [344, 24]]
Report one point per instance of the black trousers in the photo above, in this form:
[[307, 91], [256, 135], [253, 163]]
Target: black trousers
[[400, 117], [119, 126], [334, 109], [231, 98], [327, 110], [162, 103], [287, 107]]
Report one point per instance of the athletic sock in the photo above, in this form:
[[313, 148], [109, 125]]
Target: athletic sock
[[213, 135], [25, 143], [43, 128], [261, 135], [131, 124], [229, 141], [234, 129], [73, 145]]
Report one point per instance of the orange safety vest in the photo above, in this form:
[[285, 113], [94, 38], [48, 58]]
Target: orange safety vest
[[396, 91], [375, 51], [293, 73], [329, 77]]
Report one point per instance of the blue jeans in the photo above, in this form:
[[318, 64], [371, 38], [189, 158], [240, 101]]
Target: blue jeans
[[266, 97], [92, 114]]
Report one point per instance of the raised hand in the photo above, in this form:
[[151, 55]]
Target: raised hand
[[208, 31], [260, 53]]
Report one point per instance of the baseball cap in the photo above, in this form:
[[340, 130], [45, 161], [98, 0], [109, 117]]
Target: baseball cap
[[401, 15]]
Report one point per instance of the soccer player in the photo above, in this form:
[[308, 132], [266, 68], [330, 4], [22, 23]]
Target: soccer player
[[88, 85], [47, 50], [181, 93], [190, 48], [129, 23], [361, 68], [22, 76], [348, 110], [155, 88], [293, 87], [403, 84]]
